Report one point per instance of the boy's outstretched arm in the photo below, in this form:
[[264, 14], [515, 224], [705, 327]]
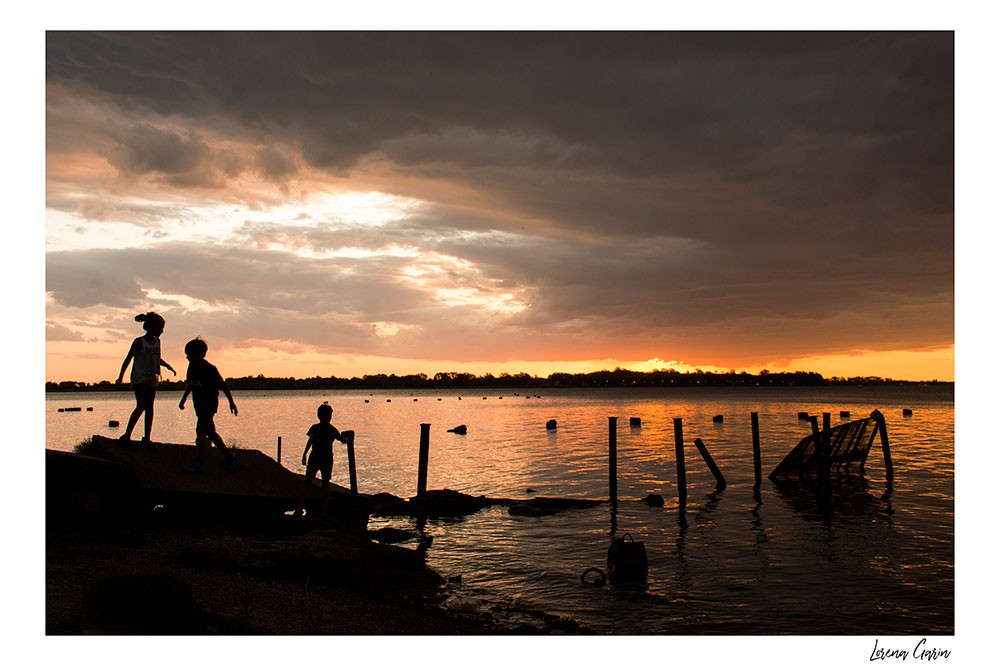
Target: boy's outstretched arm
[[229, 396]]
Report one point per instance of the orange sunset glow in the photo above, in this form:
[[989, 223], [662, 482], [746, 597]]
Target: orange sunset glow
[[351, 203]]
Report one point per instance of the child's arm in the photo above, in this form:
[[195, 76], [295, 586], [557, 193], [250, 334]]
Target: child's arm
[[167, 366], [306, 450], [187, 390], [128, 358], [229, 396]]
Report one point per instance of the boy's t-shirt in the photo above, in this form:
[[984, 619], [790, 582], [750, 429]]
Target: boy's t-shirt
[[322, 436], [204, 380]]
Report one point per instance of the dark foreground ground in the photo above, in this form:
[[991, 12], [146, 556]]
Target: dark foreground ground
[[165, 575], [120, 563]]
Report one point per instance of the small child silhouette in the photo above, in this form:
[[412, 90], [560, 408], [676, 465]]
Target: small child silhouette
[[321, 437]]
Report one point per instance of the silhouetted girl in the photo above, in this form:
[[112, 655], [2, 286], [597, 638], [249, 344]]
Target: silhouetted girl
[[145, 357]]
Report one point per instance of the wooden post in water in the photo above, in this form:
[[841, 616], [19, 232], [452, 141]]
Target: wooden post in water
[[817, 446], [679, 452], [613, 458], [827, 433], [278, 459], [755, 430], [720, 481], [350, 461], [883, 433], [425, 445]]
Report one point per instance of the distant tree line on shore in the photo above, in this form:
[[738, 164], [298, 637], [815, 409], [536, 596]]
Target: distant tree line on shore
[[462, 380]]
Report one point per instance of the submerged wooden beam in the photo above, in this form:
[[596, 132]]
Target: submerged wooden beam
[[720, 481]]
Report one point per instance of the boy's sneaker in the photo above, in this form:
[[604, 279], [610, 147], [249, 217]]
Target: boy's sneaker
[[193, 468], [231, 461]]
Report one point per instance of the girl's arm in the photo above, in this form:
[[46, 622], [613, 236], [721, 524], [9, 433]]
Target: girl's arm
[[128, 358], [167, 366]]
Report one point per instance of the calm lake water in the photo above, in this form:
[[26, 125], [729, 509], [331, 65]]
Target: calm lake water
[[730, 562]]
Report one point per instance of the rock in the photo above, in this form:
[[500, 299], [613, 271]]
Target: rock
[[652, 500], [546, 506]]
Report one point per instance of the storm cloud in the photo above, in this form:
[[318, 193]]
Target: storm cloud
[[723, 198]]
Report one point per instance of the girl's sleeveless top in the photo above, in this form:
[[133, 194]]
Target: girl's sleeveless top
[[147, 359]]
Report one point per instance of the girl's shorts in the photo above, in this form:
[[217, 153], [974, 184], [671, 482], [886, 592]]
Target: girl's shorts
[[144, 380]]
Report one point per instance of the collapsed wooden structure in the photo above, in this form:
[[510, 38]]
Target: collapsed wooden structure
[[840, 450]]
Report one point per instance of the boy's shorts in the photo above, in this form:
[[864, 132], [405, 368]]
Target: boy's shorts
[[321, 464], [205, 424]]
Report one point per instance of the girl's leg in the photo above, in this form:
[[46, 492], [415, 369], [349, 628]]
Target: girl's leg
[[140, 407], [149, 397]]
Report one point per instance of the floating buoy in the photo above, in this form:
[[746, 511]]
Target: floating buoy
[[90, 409], [550, 425], [803, 416], [635, 421], [845, 415], [717, 418], [459, 430], [112, 424], [627, 560], [907, 412], [366, 401]]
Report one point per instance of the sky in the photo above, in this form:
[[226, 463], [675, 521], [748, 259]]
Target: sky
[[348, 203]]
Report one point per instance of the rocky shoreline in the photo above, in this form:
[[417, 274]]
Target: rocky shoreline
[[117, 565]]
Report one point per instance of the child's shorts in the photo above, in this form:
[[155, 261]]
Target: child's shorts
[[321, 464], [138, 379], [205, 424]]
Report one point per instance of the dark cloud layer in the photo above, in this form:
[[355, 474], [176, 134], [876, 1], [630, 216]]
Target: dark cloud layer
[[763, 193]]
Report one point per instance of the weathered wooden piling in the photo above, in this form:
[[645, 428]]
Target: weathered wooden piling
[[679, 452], [613, 458], [720, 481], [883, 433], [425, 446], [755, 431], [277, 457], [825, 458], [352, 468]]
